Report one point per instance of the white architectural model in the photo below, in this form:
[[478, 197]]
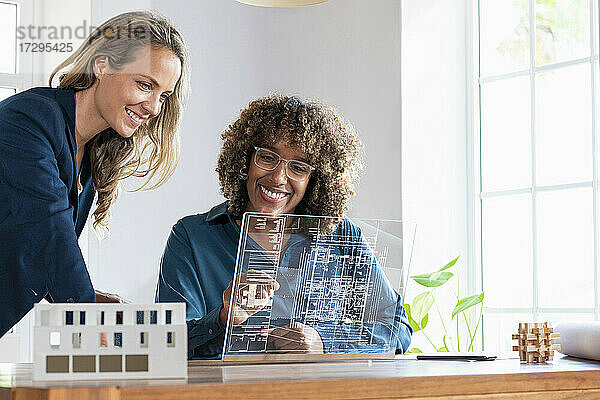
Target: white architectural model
[[90, 341]]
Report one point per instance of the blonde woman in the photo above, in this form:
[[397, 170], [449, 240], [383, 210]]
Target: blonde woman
[[114, 114]]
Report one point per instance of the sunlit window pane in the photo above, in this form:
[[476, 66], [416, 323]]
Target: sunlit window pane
[[504, 35], [8, 38], [498, 330], [506, 142], [6, 92], [563, 121], [565, 248], [507, 255], [562, 30], [556, 319]]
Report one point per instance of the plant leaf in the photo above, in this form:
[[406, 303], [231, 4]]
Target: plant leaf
[[424, 321], [414, 350], [421, 305], [466, 303], [413, 324], [451, 263], [442, 349], [444, 340], [433, 279]]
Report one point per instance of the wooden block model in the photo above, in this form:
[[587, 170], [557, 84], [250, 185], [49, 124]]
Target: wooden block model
[[536, 342], [90, 341]]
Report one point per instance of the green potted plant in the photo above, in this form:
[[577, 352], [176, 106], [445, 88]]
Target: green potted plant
[[418, 311]]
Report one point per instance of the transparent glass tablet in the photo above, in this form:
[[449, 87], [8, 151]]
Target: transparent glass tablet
[[308, 287]]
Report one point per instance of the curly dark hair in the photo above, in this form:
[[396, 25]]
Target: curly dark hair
[[328, 140]]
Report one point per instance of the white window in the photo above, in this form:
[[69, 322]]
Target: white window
[[16, 74], [538, 163], [9, 17]]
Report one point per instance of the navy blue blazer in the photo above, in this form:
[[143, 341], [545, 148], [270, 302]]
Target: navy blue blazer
[[41, 213]]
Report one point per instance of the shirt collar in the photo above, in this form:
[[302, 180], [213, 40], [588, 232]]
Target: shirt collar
[[66, 99], [217, 211]]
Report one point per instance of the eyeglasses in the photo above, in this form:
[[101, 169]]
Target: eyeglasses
[[294, 169]]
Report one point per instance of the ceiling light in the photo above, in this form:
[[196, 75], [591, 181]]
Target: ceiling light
[[281, 3]]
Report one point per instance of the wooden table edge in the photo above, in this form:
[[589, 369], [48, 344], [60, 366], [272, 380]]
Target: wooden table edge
[[338, 388], [385, 387]]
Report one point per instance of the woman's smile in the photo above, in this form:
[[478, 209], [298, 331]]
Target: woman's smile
[[272, 195], [135, 118]]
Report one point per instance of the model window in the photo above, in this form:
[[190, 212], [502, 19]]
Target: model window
[[68, 317], [76, 340], [143, 339]]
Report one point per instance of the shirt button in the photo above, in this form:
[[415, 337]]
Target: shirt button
[[210, 331]]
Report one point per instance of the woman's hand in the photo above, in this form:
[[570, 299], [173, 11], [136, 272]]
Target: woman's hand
[[294, 338], [253, 292], [102, 297]]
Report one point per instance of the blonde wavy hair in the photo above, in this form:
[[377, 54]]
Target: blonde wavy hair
[[329, 141], [153, 150]]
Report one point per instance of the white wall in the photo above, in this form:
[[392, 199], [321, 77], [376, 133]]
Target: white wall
[[345, 52], [434, 137]]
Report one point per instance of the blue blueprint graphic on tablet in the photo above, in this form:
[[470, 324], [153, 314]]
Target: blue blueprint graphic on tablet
[[306, 284]]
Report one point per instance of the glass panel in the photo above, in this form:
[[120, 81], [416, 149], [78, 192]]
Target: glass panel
[[562, 30], [68, 317], [498, 330], [6, 92], [81, 317], [503, 138], [8, 38], [168, 316], [139, 317], [566, 248], [325, 277], [506, 251], [504, 36], [563, 115], [118, 339], [153, 317]]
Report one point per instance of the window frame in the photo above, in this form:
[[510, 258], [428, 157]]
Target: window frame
[[22, 79], [475, 193]]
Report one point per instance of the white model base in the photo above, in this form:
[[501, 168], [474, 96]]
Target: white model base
[[91, 341]]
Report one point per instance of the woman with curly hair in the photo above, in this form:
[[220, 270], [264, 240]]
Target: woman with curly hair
[[283, 155], [114, 114]]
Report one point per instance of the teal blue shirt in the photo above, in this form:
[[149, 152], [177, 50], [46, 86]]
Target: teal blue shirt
[[197, 265]]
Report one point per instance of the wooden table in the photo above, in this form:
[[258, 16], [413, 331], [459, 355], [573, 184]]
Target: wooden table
[[404, 377]]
